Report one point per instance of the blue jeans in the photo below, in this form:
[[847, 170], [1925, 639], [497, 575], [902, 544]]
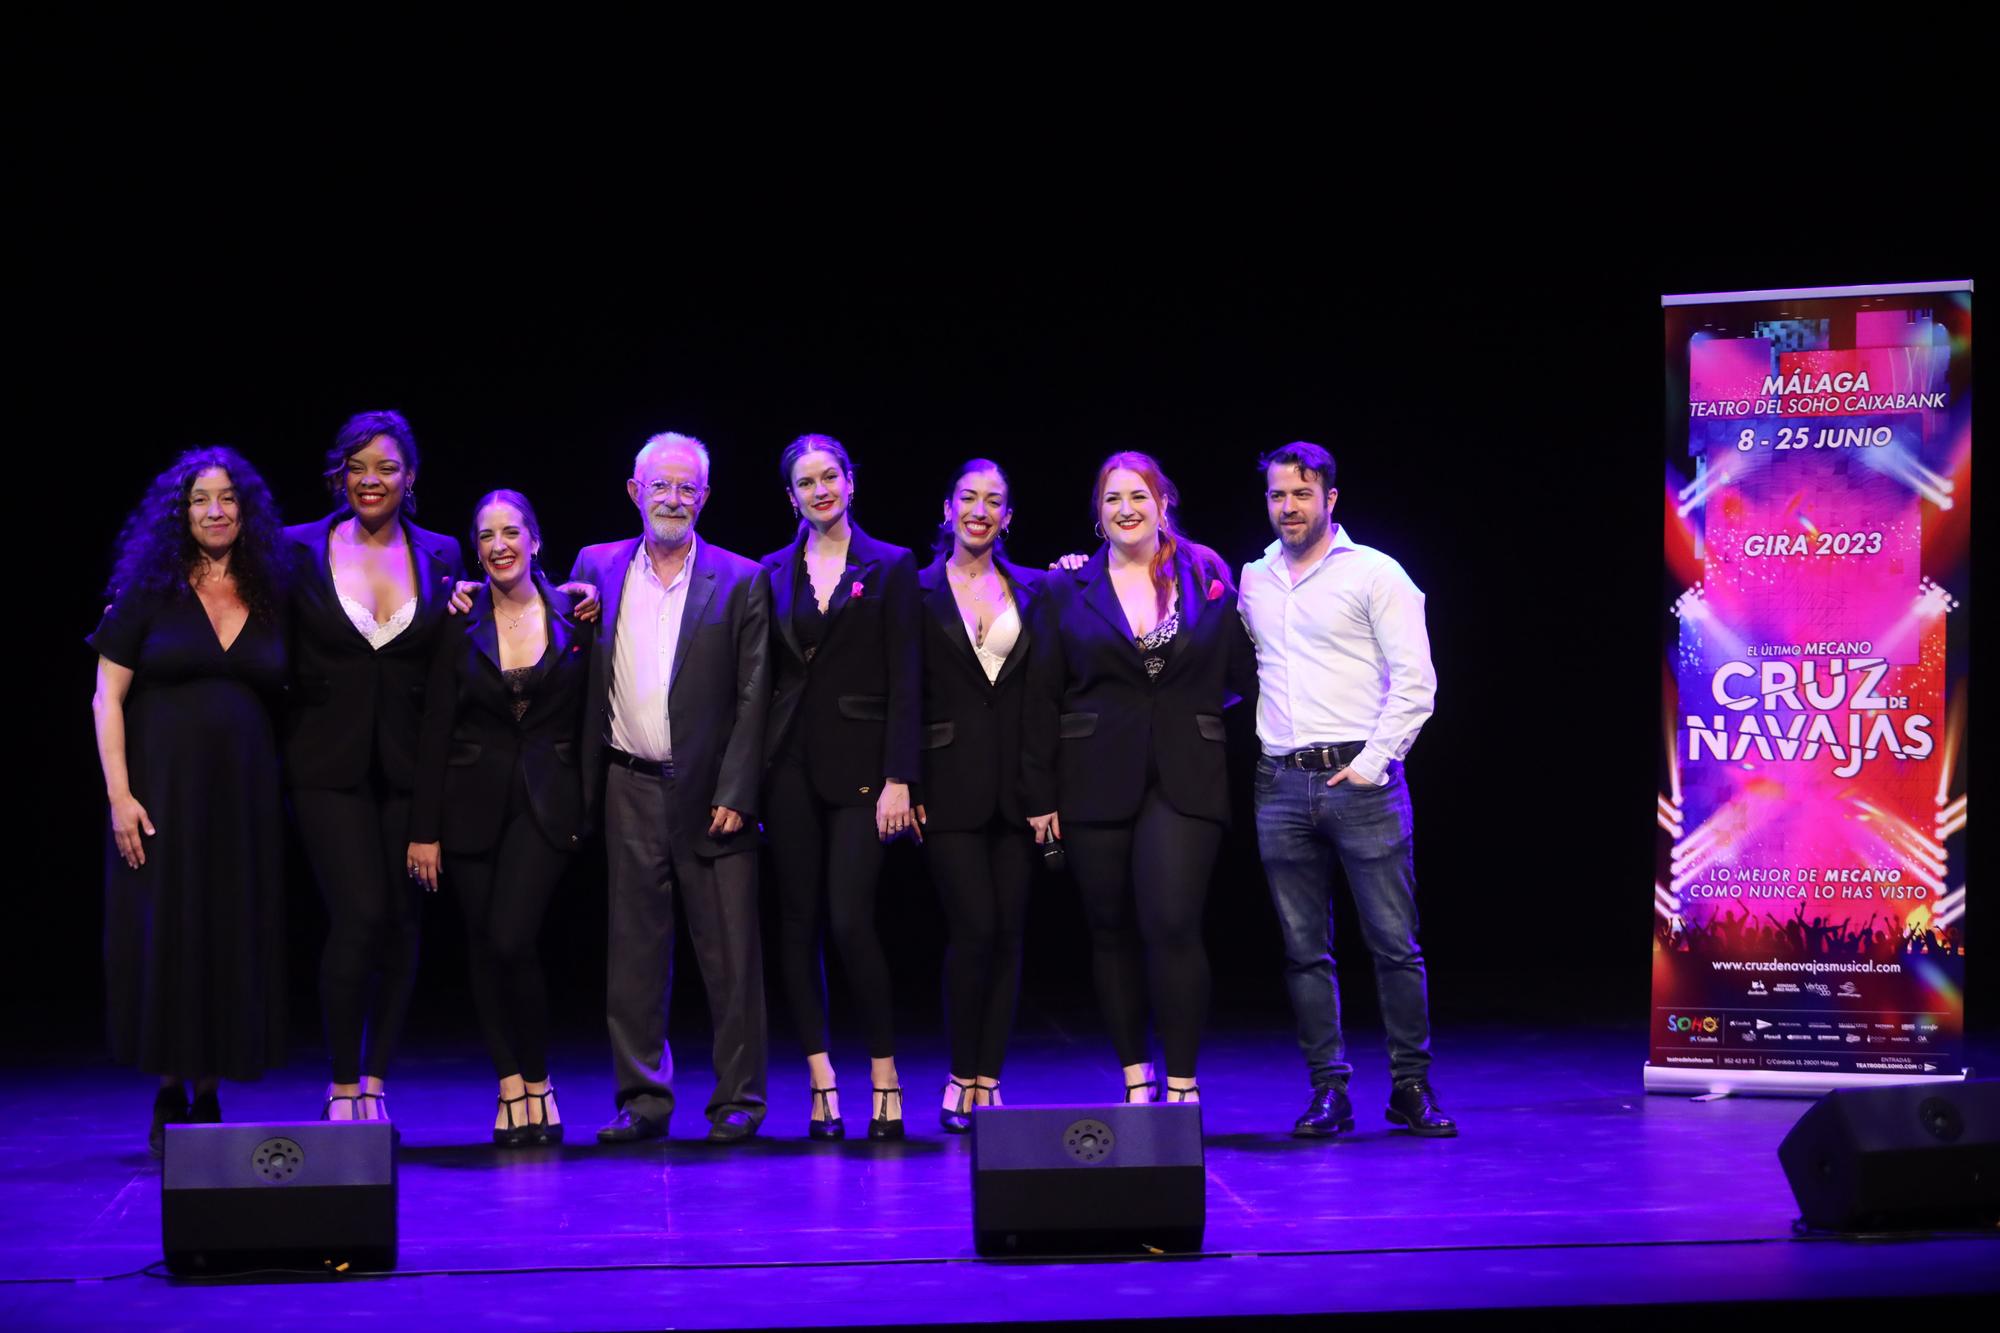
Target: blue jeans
[[1302, 825]]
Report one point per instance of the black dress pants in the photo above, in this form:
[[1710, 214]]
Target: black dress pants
[[1144, 883], [983, 877], [358, 841], [828, 859], [504, 895]]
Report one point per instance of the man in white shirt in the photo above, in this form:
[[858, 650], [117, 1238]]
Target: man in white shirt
[[1344, 683], [673, 745]]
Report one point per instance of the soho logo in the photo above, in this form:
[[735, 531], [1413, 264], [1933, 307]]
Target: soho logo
[[1676, 1023]]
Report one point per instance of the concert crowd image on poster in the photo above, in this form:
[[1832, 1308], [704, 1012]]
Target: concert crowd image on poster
[[1809, 890]]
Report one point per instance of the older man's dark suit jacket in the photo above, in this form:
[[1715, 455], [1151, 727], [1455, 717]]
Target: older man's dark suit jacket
[[353, 706], [718, 696]]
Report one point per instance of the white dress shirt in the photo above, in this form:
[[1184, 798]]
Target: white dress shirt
[[642, 657], [1341, 653]]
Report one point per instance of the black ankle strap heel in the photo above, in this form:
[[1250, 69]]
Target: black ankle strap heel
[[957, 1118], [880, 1126], [543, 1130], [517, 1131], [826, 1125]]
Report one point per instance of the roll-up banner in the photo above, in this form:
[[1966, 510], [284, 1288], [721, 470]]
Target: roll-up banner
[[1809, 882]]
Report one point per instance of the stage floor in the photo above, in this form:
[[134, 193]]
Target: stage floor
[[1567, 1188]]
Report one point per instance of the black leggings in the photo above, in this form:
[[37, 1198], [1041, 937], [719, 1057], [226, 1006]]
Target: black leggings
[[827, 856], [504, 895], [358, 842], [982, 877], [1144, 884]]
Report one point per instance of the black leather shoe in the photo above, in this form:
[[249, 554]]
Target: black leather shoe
[[628, 1126], [880, 1127], [731, 1127], [1327, 1114], [170, 1107], [1414, 1106], [205, 1109]]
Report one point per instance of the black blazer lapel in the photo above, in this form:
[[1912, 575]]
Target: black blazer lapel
[[564, 633], [863, 557], [1191, 599], [943, 607], [319, 557], [694, 604], [610, 579], [1024, 599], [1098, 594], [434, 581], [784, 580], [482, 630]]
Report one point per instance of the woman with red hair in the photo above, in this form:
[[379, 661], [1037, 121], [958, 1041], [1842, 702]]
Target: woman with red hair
[[1139, 650]]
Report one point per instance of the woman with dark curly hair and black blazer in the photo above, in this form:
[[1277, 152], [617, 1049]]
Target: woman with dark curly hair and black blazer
[[499, 799], [191, 660], [372, 593], [842, 752]]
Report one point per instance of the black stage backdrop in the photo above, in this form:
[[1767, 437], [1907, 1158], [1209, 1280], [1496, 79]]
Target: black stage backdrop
[[176, 295]]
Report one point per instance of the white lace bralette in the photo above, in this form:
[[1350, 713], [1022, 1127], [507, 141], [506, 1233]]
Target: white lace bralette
[[376, 632]]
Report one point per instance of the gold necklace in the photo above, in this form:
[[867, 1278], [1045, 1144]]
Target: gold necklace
[[514, 622], [972, 583]]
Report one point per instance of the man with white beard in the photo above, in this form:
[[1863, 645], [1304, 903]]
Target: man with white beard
[[673, 742]]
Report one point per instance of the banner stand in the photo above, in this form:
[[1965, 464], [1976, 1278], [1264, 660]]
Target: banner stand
[[1809, 893]]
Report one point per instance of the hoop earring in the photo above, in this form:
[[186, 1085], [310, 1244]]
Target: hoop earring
[[1098, 528]]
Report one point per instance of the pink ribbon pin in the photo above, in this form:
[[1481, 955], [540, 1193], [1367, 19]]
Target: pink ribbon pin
[[855, 591]]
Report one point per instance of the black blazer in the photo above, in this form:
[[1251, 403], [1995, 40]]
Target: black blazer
[[471, 744], [1093, 718], [856, 707], [719, 693], [354, 707], [972, 729]]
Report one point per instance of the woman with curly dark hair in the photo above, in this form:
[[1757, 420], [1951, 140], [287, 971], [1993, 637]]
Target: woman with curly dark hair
[[191, 656]]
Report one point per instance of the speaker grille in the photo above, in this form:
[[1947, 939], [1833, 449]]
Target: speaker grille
[[277, 1161], [1089, 1141]]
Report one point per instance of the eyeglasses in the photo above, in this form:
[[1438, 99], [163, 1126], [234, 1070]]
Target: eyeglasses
[[682, 490]]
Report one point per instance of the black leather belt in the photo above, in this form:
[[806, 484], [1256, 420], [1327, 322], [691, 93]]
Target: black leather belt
[[651, 768], [1319, 758]]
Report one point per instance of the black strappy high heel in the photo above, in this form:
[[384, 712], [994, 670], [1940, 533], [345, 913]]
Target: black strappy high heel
[[353, 1106], [957, 1119], [516, 1133], [880, 1127], [545, 1130], [1151, 1083], [827, 1125], [1181, 1094]]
